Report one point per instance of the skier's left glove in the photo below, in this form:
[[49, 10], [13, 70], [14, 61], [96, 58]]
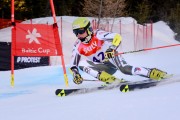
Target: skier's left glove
[[77, 79], [109, 53]]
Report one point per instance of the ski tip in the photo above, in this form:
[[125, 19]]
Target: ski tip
[[124, 88], [169, 75], [60, 93], [166, 76]]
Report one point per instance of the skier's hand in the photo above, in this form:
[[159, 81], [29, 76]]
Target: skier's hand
[[76, 76], [77, 79], [109, 54]]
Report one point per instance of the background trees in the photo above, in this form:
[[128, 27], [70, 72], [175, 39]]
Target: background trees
[[142, 10], [109, 8]]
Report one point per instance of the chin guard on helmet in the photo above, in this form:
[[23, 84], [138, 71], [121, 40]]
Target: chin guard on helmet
[[86, 39]]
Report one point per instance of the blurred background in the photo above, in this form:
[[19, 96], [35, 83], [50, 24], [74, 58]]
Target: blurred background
[[143, 11]]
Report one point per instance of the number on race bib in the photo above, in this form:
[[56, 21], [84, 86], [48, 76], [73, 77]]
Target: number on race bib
[[99, 57]]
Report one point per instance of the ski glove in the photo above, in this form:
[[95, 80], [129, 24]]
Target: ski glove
[[109, 54], [77, 79]]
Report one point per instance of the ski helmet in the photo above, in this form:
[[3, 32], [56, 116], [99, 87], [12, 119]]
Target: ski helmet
[[84, 23]]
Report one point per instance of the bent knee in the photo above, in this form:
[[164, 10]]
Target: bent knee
[[126, 69]]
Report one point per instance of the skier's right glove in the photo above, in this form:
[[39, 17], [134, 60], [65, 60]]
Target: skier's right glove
[[77, 79], [109, 54]]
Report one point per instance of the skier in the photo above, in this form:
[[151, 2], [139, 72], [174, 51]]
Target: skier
[[100, 48]]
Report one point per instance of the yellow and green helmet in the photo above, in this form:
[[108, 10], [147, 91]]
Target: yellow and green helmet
[[82, 22]]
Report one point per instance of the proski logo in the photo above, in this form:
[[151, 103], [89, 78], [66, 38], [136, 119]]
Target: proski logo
[[28, 59]]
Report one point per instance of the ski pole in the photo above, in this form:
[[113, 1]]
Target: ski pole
[[91, 80], [146, 49]]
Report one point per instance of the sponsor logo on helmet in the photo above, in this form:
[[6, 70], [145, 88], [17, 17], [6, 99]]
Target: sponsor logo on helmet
[[76, 26], [85, 21]]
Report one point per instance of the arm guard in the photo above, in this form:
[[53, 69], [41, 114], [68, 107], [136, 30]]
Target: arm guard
[[116, 40]]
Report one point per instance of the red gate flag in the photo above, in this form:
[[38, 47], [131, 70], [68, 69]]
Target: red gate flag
[[36, 40]]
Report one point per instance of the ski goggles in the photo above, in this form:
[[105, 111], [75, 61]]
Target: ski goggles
[[79, 31]]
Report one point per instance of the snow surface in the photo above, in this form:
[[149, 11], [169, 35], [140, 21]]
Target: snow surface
[[33, 96]]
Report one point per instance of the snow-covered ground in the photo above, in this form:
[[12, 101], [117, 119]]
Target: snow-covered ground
[[33, 96]]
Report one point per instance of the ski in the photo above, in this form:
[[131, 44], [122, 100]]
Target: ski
[[67, 92], [124, 86], [132, 86]]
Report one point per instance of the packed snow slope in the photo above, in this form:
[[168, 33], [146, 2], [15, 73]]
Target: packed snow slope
[[33, 98]]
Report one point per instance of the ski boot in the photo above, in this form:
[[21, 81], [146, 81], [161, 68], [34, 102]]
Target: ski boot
[[157, 74], [108, 78]]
